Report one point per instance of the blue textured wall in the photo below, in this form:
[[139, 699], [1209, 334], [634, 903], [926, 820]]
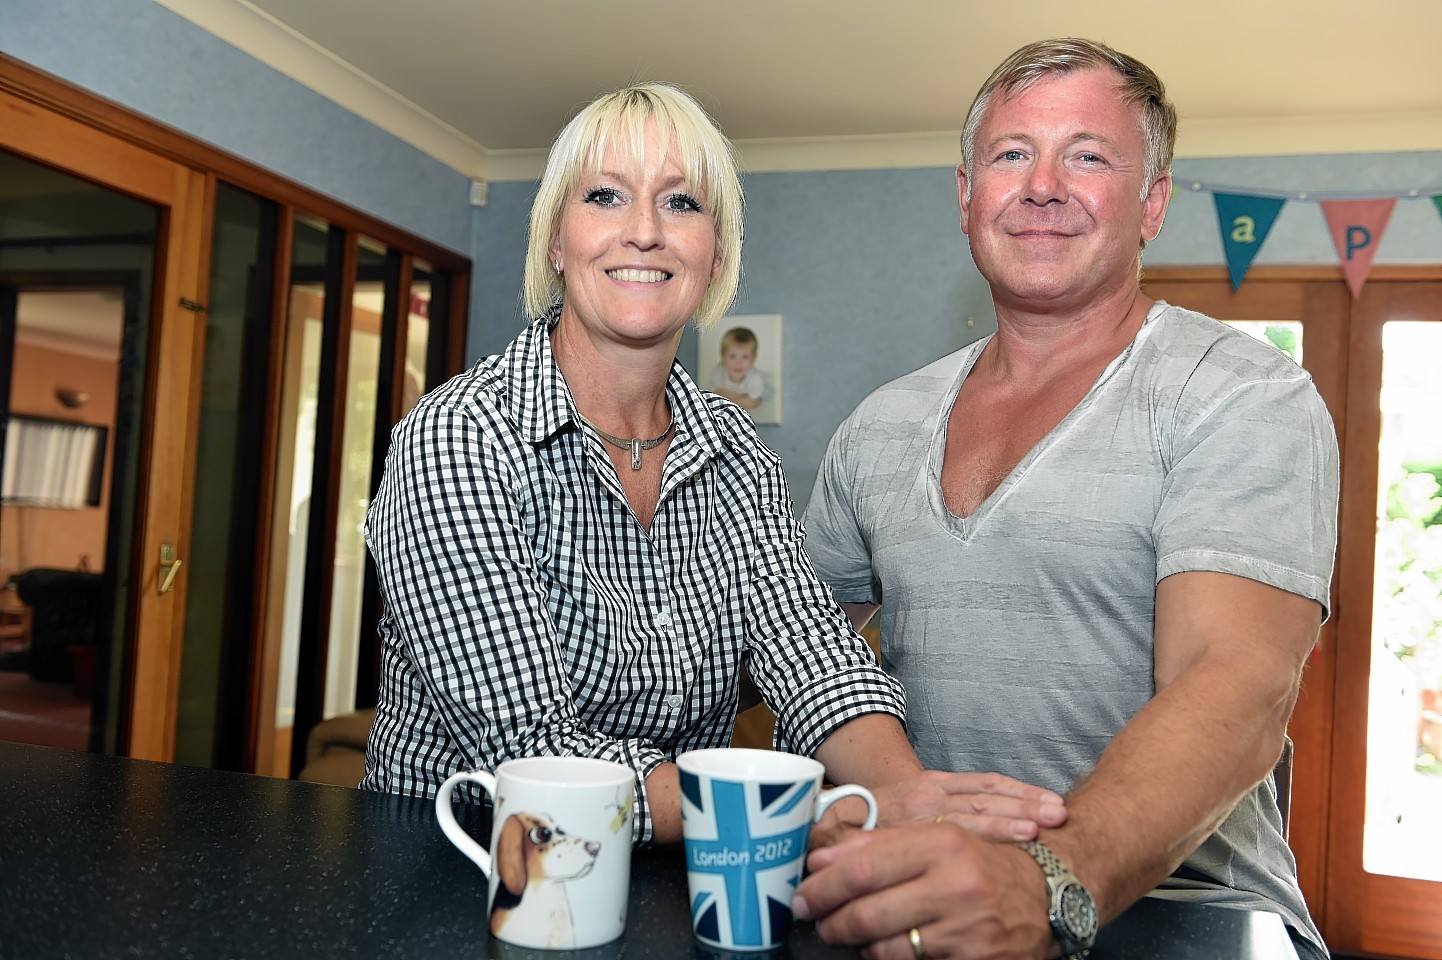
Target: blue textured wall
[[498, 248], [154, 62], [872, 277]]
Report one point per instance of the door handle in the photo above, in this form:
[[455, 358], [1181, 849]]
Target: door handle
[[170, 565]]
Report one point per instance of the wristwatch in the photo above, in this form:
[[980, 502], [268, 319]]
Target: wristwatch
[[1072, 913]]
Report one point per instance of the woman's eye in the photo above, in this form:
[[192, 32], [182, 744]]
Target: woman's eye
[[604, 196], [683, 203]]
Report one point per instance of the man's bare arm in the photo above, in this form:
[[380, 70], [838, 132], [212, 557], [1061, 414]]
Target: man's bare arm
[[1229, 655], [1228, 664]]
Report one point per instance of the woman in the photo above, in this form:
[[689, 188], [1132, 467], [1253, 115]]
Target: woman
[[579, 551]]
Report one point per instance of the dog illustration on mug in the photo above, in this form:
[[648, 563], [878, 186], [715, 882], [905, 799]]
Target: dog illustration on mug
[[534, 860]]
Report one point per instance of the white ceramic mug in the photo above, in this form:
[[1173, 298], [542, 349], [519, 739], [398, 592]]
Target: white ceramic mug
[[746, 817], [559, 866]]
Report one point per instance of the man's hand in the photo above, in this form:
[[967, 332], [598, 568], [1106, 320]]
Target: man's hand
[[987, 804], [967, 898]]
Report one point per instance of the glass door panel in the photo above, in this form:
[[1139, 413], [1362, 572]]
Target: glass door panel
[[1403, 832], [213, 728], [361, 379], [418, 339], [291, 517]]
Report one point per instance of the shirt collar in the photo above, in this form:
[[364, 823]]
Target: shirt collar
[[540, 404]]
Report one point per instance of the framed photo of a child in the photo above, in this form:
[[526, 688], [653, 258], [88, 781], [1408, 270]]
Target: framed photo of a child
[[740, 359]]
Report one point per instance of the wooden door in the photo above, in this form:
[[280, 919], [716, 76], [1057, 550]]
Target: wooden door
[[151, 648], [1341, 346], [1384, 863]]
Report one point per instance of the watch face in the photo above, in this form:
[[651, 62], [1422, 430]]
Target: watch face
[[1079, 912]]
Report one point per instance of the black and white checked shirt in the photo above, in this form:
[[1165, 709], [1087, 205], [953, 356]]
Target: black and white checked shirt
[[528, 613]]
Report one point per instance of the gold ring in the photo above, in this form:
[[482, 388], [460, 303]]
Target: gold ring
[[915, 937]]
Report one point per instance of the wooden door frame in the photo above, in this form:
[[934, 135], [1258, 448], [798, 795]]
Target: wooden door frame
[[1355, 899], [38, 133]]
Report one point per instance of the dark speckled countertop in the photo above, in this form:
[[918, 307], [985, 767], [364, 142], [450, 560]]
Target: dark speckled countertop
[[105, 857]]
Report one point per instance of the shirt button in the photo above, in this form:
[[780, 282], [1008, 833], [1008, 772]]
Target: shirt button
[[663, 619], [673, 702]]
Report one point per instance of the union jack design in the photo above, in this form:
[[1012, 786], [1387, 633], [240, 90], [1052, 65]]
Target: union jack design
[[745, 848]]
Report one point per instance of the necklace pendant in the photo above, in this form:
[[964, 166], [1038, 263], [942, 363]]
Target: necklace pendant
[[636, 454]]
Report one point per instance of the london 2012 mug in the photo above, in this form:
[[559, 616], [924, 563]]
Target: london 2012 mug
[[559, 867], [746, 817]]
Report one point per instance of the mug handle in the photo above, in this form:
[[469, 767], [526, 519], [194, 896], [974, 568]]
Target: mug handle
[[828, 797], [454, 831]]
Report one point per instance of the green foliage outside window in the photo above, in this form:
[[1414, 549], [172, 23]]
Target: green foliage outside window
[[1409, 564]]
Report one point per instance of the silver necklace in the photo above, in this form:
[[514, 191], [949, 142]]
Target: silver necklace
[[635, 444]]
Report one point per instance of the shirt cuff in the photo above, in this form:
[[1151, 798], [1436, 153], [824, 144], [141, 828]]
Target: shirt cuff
[[643, 758], [803, 724]]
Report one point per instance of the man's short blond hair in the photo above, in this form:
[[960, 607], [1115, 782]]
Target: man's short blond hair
[[1139, 85], [685, 133]]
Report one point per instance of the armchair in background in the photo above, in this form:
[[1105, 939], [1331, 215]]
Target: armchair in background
[[66, 609]]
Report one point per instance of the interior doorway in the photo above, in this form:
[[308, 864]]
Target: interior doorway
[[57, 461], [74, 261]]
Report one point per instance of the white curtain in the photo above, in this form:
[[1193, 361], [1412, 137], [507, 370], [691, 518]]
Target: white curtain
[[49, 463]]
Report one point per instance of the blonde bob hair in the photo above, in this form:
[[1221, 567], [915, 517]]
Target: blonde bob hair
[[684, 132]]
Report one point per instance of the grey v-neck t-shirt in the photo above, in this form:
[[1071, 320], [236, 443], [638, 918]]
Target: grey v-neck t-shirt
[[1023, 632]]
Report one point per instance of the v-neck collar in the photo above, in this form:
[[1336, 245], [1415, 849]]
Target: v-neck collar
[[966, 528]]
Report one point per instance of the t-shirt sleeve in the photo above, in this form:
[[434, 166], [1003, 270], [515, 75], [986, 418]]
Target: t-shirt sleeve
[[835, 541], [1252, 488]]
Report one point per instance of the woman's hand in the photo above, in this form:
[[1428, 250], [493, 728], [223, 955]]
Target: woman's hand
[[965, 897], [989, 805]]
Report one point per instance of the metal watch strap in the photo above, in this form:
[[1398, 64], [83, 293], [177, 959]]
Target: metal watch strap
[[1071, 911]]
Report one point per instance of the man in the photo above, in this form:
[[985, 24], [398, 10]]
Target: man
[[1102, 539]]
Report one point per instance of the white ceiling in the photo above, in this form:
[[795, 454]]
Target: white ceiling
[[88, 322], [485, 84]]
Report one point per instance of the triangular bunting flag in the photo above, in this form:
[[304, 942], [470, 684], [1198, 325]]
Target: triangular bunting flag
[[1357, 227], [1245, 223]]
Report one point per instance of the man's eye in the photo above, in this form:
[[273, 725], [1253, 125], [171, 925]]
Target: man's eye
[[683, 203], [1010, 155], [1091, 158], [603, 196]]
